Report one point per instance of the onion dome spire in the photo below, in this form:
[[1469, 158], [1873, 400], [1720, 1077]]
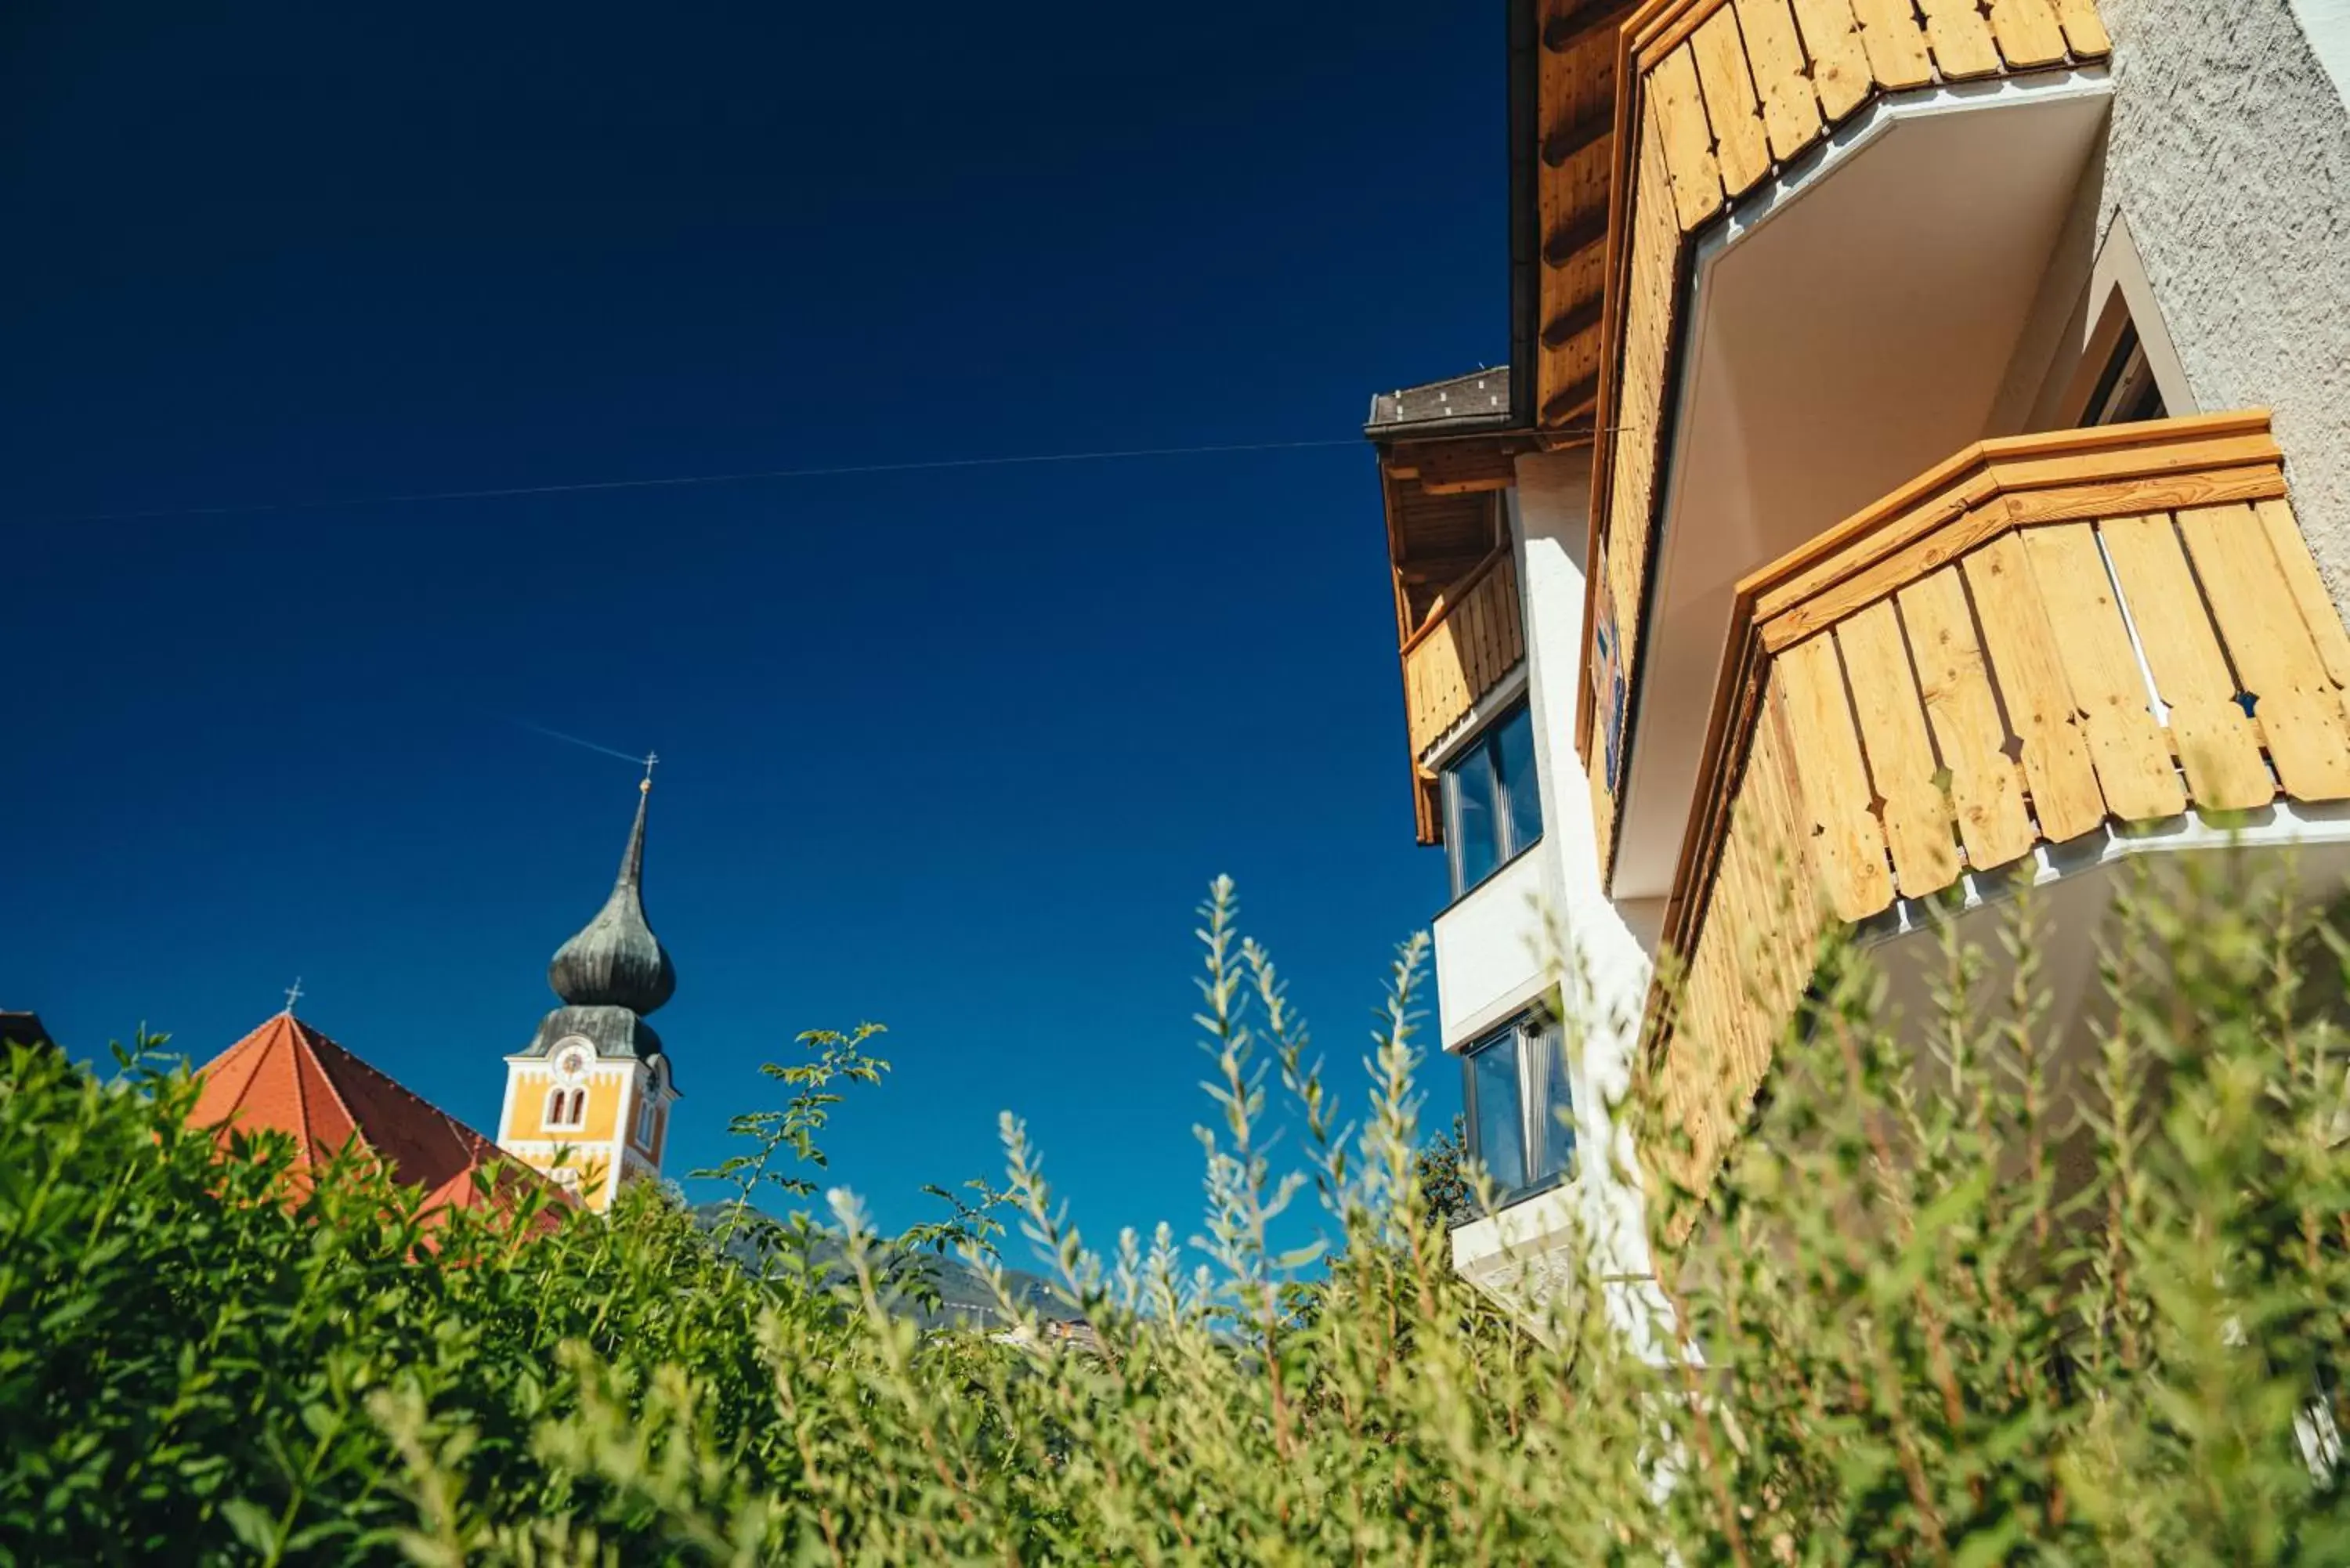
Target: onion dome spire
[[615, 960]]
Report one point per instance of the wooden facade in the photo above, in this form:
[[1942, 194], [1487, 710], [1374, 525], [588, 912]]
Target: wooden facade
[[1474, 639], [1715, 97], [2042, 636], [1574, 161]]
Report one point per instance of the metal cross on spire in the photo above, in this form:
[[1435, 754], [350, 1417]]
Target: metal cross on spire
[[652, 761], [294, 993]]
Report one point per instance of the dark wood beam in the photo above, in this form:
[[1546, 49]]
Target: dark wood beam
[[1570, 25], [1566, 141], [1572, 401], [1440, 568], [1466, 468], [1566, 243], [1561, 330]]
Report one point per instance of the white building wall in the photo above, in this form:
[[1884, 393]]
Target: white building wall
[[1491, 952], [1586, 945], [2230, 159]]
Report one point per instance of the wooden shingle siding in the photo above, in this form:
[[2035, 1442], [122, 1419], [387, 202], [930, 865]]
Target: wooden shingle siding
[[2277, 662], [1900, 750], [2218, 748], [1740, 147], [1983, 662], [1718, 95], [1839, 64], [2109, 688], [1790, 107], [2028, 34]]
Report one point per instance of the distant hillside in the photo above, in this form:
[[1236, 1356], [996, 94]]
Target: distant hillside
[[964, 1298]]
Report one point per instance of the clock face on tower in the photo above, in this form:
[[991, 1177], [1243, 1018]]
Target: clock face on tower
[[572, 1058]]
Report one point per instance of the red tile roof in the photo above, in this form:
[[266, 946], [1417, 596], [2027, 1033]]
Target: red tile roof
[[287, 1077]]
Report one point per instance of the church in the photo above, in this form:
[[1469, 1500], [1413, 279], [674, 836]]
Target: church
[[587, 1101]]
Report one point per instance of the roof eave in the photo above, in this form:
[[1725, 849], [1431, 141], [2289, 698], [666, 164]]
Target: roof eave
[[1523, 129]]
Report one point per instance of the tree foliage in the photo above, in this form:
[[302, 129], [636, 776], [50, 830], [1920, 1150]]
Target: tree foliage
[[1961, 1298]]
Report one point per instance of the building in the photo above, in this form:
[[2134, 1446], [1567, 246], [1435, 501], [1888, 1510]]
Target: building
[[588, 1100], [287, 1077], [24, 1029], [1920, 463]]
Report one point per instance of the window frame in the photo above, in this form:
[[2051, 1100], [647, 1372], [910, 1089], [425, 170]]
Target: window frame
[[566, 1109], [1487, 743], [2124, 385], [1534, 1022]]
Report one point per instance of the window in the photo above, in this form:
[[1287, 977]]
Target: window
[[1492, 809], [2126, 393], [1520, 1108], [647, 1120], [567, 1107]]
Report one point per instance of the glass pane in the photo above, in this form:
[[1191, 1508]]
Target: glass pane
[[1551, 1132], [1469, 789], [1499, 1130], [1516, 749]]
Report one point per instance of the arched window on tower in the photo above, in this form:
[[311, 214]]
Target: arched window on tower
[[567, 1107]]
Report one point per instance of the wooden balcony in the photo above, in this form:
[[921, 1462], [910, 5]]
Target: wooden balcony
[[1471, 637], [1715, 103], [2045, 636]]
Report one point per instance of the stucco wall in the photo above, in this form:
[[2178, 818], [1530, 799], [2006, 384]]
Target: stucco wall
[[2230, 155]]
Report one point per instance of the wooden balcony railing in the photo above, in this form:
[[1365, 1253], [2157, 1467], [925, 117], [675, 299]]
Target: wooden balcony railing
[[2042, 636], [1471, 639]]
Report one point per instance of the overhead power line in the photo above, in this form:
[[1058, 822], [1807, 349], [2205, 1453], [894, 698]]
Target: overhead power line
[[676, 482]]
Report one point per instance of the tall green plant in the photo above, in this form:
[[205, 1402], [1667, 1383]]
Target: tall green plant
[[1967, 1292]]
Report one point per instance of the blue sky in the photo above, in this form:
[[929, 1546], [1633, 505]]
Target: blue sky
[[955, 749]]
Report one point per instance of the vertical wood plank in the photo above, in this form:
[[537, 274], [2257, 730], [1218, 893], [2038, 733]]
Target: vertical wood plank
[[1840, 72], [2084, 30], [2317, 611], [1768, 976], [2028, 32], [1843, 830], [1790, 108], [1730, 105], [2134, 765], [1986, 786], [1897, 48], [1602, 823], [1688, 138], [1743, 1049], [1514, 601], [1789, 792], [1902, 765], [2215, 746], [1487, 631], [2301, 714], [2029, 674], [1425, 662], [1960, 38]]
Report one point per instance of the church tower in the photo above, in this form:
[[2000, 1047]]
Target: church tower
[[588, 1100]]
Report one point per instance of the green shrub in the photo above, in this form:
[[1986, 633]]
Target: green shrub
[[1938, 1311]]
